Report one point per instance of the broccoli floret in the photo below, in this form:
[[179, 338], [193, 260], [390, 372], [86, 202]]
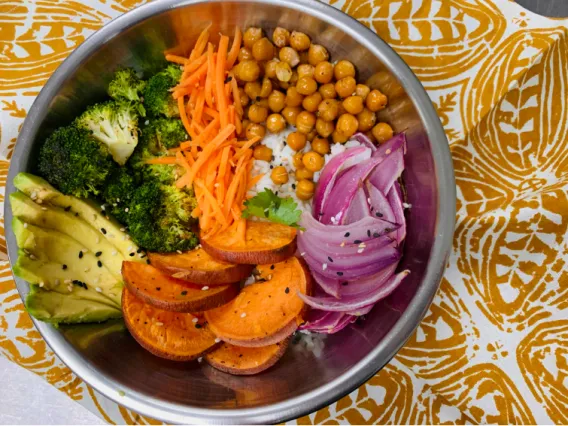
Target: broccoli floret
[[126, 85], [115, 124], [117, 194], [165, 133], [158, 99], [75, 162]]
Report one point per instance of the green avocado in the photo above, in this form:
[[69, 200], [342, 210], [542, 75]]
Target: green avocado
[[70, 308]]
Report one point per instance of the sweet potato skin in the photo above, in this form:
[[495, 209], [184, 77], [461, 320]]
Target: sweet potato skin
[[264, 243], [198, 267], [166, 334], [280, 336], [162, 291], [241, 361]]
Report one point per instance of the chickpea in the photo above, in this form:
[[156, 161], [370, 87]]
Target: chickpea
[[244, 126], [252, 89], [376, 100], [275, 123], [263, 50], [244, 97], [270, 69], [297, 160], [251, 36], [344, 69], [306, 86], [305, 122], [294, 79], [304, 57], [293, 98], [279, 175], [290, 56], [317, 54], [262, 103], [339, 137], [366, 120], [327, 91], [262, 153], [299, 41], [283, 71], [276, 101], [313, 161], [244, 54], [266, 88], [312, 135], [320, 145], [382, 132], [290, 114], [281, 37], [257, 113], [328, 109], [345, 87], [323, 72], [347, 125], [324, 128], [296, 141], [304, 173], [353, 104], [284, 85], [340, 109], [362, 90], [311, 102], [305, 70], [247, 71], [254, 129], [305, 189]]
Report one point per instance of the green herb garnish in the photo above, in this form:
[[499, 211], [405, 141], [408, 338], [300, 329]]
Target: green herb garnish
[[270, 206]]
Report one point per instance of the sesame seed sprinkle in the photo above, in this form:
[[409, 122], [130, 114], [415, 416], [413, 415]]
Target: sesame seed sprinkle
[[25, 225], [99, 290], [204, 288], [243, 315], [67, 281], [217, 340], [159, 324], [114, 253], [324, 266], [41, 284], [194, 320], [178, 251]]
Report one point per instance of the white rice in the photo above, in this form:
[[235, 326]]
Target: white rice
[[309, 343]]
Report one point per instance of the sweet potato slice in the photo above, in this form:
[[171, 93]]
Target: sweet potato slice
[[164, 292], [198, 267], [266, 312], [242, 361], [264, 243], [170, 335]]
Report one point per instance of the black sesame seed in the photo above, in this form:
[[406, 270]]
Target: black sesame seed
[[240, 355], [347, 234], [368, 233], [148, 261], [258, 98], [67, 208], [293, 186], [98, 253], [284, 142], [340, 274], [378, 214], [330, 259], [271, 167], [183, 293], [143, 256], [387, 230], [139, 250], [344, 283], [158, 288], [272, 266], [197, 325], [357, 242], [276, 193], [228, 79], [287, 290], [99, 264], [76, 214], [103, 230], [376, 235], [64, 267], [372, 208], [132, 254], [80, 255]]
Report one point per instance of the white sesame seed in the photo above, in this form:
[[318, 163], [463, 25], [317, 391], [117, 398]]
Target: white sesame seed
[[67, 281], [324, 266], [362, 245], [41, 284], [199, 359], [302, 253], [217, 340], [388, 151], [178, 251], [205, 288], [39, 201], [103, 207], [25, 225], [118, 200], [87, 269], [111, 235], [360, 250], [126, 209], [159, 324], [369, 200], [33, 195], [124, 238], [194, 320], [342, 244], [44, 209], [114, 253], [85, 250], [130, 248], [70, 288], [32, 257], [243, 315], [122, 229], [98, 239], [406, 205], [99, 290], [147, 122]]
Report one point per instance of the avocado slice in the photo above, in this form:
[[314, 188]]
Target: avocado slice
[[40, 191], [71, 308]]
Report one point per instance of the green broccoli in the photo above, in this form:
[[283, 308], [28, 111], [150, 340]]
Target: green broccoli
[[117, 194], [158, 99], [164, 133], [126, 85], [75, 162], [115, 124]]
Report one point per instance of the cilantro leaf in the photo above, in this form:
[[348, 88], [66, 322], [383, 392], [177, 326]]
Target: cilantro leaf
[[270, 206]]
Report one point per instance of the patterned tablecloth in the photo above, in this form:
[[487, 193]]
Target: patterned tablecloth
[[494, 346]]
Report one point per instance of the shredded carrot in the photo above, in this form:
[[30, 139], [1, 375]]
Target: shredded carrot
[[236, 97], [235, 48], [220, 80], [190, 67], [176, 59], [183, 115], [246, 147], [209, 79], [162, 160], [211, 112], [253, 181], [200, 43], [198, 141], [193, 78]]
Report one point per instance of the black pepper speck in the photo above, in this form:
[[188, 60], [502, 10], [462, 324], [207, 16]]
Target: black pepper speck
[[347, 234], [99, 264], [287, 290]]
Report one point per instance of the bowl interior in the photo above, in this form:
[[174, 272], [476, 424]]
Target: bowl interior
[[107, 355]]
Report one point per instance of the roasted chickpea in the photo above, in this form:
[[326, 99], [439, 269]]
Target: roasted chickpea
[[344, 69], [328, 109], [305, 70], [305, 189], [290, 114], [345, 87], [304, 57], [366, 120], [320, 145], [323, 72], [312, 135], [340, 109], [297, 160], [313, 161], [311, 102], [347, 125], [376, 100], [263, 50], [244, 54], [275, 123], [262, 153], [244, 97], [245, 123], [353, 104], [294, 79], [276, 101], [252, 89], [339, 137], [257, 113], [254, 129], [324, 128], [279, 175], [247, 71], [293, 98], [283, 71], [263, 102], [299, 41], [306, 86], [270, 69], [328, 91], [362, 90], [281, 36], [382, 132], [289, 55], [305, 122], [266, 88], [251, 35], [296, 141], [304, 173], [317, 54]]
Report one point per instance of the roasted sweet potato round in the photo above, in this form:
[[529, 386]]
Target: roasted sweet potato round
[[170, 335], [160, 290], [197, 266], [264, 243]]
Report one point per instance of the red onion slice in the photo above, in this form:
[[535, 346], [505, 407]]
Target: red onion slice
[[307, 240], [362, 311], [363, 139], [359, 286], [330, 285], [359, 207], [395, 199], [392, 166], [380, 205], [322, 321]]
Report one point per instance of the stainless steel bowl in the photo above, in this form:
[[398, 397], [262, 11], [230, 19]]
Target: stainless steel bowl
[[108, 358]]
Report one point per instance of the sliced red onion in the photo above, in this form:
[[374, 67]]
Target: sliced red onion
[[307, 240], [380, 205], [356, 287], [359, 207], [332, 170], [395, 199], [322, 321], [330, 285], [352, 303], [363, 139], [362, 311], [392, 165], [338, 324]]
